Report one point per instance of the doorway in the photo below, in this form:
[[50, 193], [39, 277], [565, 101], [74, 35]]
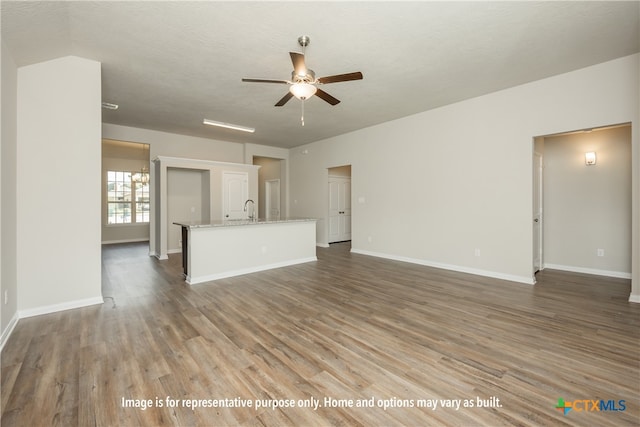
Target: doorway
[[339, 204], [272, 199], [125, 194], [272, 194], [585, 207]]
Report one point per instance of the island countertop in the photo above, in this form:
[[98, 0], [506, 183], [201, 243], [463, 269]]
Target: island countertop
[[218, 249], [236, 222]]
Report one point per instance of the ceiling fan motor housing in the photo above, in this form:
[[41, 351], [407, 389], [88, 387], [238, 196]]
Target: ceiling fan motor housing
[[309, 77]]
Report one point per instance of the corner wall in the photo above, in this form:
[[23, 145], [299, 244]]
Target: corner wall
[[433, 187], [8, 192], [59, 122]]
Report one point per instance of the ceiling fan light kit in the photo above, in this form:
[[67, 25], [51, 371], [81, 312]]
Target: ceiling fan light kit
[[303, 83], [303, 91]]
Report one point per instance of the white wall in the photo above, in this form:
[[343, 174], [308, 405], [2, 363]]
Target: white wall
[[438, 185], [8, 192], [58, 207], [588, 207], [174, 145], [185, 202]]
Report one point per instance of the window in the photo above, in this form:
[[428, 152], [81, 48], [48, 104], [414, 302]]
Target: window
[[127, 199], [141, 207]]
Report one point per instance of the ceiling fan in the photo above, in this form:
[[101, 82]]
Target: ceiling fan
[[304, 84]]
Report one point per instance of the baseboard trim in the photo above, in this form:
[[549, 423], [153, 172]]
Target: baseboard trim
[[451, 267], [115, 242], [8, 330], [195, 280], [69, 305], [596, 272], [634, 298], [322, 245], [174, 251]]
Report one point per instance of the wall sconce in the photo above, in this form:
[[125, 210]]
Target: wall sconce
[[590, 158]]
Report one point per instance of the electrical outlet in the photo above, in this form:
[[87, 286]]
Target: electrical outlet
[[6, 296], [600, 252], [477, 252]]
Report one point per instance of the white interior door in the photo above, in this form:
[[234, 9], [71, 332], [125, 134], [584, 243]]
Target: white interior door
[[339, 209], [272, 199], [235, 192], [537, 212]]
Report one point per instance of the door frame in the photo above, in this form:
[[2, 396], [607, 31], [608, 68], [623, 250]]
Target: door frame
[[267, 196], [331, 174], [538, 212]]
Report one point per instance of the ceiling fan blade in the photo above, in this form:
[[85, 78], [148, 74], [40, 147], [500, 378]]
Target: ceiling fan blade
[[264, 81], [341, 78], [284, 99], [298, 63], [324, 95]]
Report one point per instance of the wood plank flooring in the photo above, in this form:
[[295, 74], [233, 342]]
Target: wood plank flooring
[[347, 327]]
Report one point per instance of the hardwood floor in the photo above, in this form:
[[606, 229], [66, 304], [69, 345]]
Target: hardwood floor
[[347, 327]]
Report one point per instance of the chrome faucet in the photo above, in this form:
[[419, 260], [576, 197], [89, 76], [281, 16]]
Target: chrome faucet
[[253, 210]]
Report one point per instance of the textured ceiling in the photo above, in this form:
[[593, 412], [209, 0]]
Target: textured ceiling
[[171, 64]]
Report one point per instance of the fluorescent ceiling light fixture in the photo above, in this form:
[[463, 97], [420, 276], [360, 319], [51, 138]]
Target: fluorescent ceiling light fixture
[[109, 106], [228, 126]]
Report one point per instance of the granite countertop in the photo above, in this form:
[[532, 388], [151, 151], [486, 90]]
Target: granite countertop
[[236, 222]]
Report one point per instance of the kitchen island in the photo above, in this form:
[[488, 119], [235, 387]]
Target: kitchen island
[[219, 249]]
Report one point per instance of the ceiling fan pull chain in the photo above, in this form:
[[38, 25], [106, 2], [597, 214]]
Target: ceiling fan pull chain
[[302, 114]]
